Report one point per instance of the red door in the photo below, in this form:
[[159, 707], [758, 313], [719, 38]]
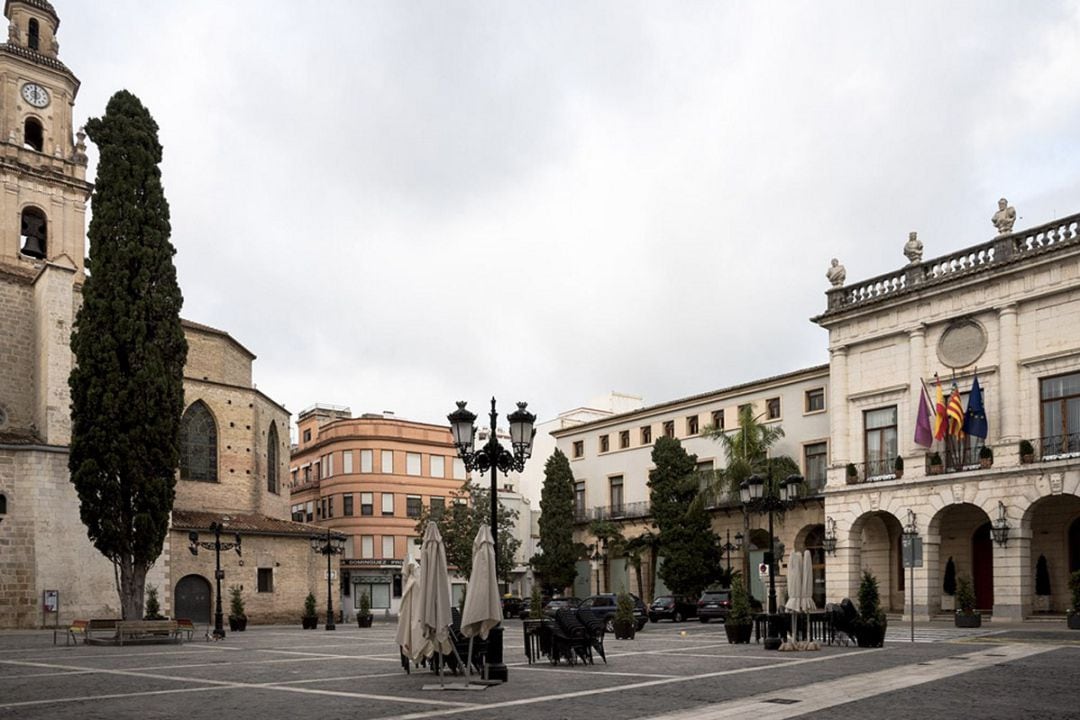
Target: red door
[[982, 561]]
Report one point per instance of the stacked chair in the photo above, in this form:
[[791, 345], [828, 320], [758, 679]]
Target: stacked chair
[[596, 630]]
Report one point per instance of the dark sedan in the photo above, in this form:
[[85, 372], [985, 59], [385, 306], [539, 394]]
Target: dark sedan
[[714, 605], [671, 607], [558, 603]]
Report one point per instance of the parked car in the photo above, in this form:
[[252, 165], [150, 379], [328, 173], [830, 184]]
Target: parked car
[[714, 605], [605, 604], [560, 602], [511, 606], [526, 606], [672, 607]]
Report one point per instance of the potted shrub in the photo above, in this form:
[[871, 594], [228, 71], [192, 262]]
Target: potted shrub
[[898, 467], [153, 607], [871, 624], [310, 620], [738, 625], [624, 617], [986, 457], [237, 618], [852, 474], [1042, 585], [1027, 452], [966, 615], [1072, 616], [934, 466], [363, 615], [948, 587]]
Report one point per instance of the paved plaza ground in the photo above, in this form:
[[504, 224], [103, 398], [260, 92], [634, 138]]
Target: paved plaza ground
[[1014, 671]]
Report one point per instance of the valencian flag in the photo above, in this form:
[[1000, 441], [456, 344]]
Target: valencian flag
[[975, 417], [924, 433], [956, 413], [939, 413]]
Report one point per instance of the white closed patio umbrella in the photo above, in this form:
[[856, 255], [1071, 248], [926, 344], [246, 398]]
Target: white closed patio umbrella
[[808, 594], [410, 634], [483, 608], [794, 600], [435, 616]]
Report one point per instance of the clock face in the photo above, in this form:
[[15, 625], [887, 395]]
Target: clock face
[[35, 95]]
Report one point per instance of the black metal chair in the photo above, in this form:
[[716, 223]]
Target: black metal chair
[[596, 629], [570, 639]]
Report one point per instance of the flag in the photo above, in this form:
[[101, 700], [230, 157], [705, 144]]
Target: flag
[[956, 413], [975, 417], [924, 434], [939, 414]]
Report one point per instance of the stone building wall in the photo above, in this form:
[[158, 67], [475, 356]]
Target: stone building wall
[[16, 352]]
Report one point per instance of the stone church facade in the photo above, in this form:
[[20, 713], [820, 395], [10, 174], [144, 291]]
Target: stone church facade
[[235, 437]]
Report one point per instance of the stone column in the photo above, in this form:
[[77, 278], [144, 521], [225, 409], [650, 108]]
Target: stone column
[[842, 569], [916, 371], [838, 406], [1013, 576], [1008, 400]]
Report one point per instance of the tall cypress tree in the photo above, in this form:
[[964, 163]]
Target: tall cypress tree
[[556, 564], [127, 389]]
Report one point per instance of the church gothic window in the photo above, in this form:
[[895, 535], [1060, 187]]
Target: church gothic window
[[33, 134], [33, 233], [33, 35], [198, 444], [272, 459]]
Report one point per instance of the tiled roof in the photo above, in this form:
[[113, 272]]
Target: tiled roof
[[243, 523]]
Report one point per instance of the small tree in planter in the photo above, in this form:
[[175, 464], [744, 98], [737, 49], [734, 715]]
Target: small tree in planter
[[948, 600], [1072, 616], [536, 612], [871, 624], [738, 625], [1042, 585], [1027, 452], [624, 617], [898, 467], [363, 615], [852, 474], [237, 617], [153, 607], [310, 620], [986, 457], [966, 614]]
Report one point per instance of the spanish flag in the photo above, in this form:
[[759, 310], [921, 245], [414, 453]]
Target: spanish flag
[[956, 413], [939, 413]]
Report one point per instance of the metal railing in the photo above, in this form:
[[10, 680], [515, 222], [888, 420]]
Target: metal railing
[[877, 470], [1058, 447], [624, 511]]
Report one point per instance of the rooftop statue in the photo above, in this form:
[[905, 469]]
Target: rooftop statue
[[913, 248], [836, 273], [1004, 218]]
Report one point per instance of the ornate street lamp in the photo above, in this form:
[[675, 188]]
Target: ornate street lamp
[[1000, 528], [912, 552], [329, 546], [494, 457], [777, 497], [217, 546], [727, 548], [829, 541]]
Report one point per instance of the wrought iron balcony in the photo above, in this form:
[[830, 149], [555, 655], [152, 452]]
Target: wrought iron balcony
[[625, 511], [1058, 447], [877, 470]]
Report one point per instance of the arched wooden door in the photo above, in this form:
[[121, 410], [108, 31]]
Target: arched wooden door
[[982, 563], [192, 599]]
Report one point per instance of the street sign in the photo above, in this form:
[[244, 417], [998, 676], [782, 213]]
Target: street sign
[[331, 575], [52, 600], [912, 546]]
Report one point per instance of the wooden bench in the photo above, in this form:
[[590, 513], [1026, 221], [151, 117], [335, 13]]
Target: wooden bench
[[98, 625], [147, 631], [73, 632], [183, 625]]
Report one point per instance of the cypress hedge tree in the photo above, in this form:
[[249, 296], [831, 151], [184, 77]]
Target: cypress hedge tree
[[556, 564], [127, 388]]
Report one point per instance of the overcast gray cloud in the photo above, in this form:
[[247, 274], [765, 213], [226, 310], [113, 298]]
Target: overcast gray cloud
[[396, 205]]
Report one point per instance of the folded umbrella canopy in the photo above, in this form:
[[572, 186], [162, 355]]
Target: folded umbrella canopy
[[483, 608], [435, 615], [794, 600], [410, 632]]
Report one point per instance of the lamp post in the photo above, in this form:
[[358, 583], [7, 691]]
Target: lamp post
[[727, 548], [829, 541], [329, 546], [494, 457], [595, 560], [912, 554], [777, 497], [217, 546], [1000, 529]]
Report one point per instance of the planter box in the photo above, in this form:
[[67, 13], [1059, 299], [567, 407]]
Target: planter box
[[739, 634], [309, 623], [870, 634], [364, 620], [968, 621], [238, 624], [1073, 621], [624, 631]]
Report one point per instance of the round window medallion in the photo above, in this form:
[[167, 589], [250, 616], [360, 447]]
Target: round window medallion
[[962, 344]]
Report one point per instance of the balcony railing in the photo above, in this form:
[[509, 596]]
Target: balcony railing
[[1058, 447], [877, 470], [625, 511]]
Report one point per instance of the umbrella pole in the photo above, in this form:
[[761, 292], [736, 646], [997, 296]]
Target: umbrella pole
[[468, 660]]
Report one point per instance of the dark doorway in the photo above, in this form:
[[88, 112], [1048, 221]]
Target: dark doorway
[[193, 599], [1074, 546], [982, 563]]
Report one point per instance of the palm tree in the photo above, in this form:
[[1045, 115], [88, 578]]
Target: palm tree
[[635, 548], [747, 453]]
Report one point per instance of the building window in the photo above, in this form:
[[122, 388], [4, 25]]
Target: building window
[[743, 409], [387, 462], [329, 464], [198, 444], [815, 400], [579, 499], [413, 506], [579, 448], [307, 474], [346, 462], [388, 547], [438, 466], [1060, 414], [646, 434], [718, 419], [624, 439], [367, 504], [378, 594], [347, 504], [459, 469], [412, 463], [816, 456], [692, 425], [669, 429], [880, 442], [605, 443], [266, 580], [307, 435], [33, 35], [616, 495], [772, 409], [272, 468], [438, 506], [367, 459], [330, 506], [367, 546], [310, 510], [33, 135], [298, 512], [388, 503]]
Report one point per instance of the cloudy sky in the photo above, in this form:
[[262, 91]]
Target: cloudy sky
[[396, 205]]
